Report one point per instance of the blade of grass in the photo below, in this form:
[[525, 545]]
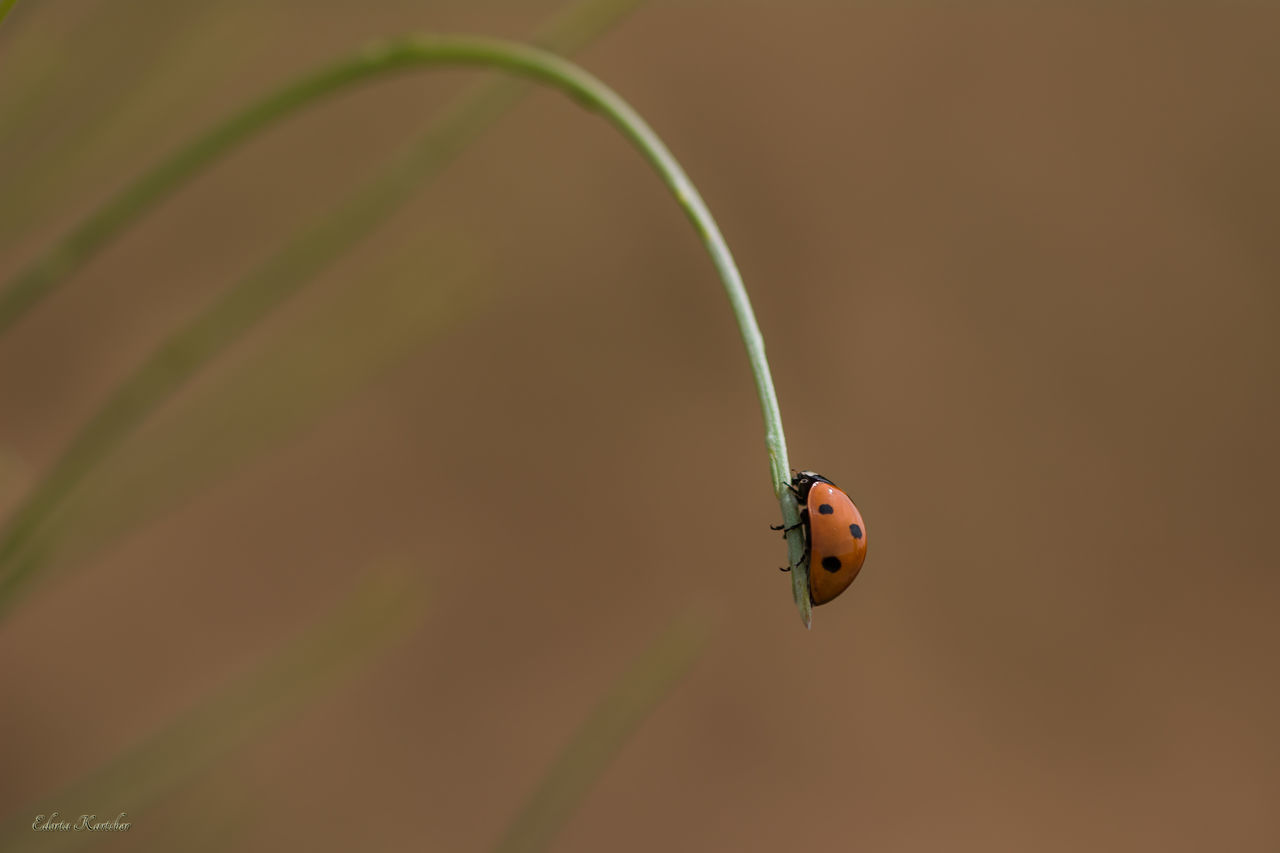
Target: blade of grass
[[603, 734], [338, 347], [163, 76], [5, 7], [382, 610], [522, 60], [50, 271], [302, 258]]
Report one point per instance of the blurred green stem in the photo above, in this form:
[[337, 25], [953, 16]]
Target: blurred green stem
[[301, 258], [397, 55], [5, 7], [384, 608], [603, 734]]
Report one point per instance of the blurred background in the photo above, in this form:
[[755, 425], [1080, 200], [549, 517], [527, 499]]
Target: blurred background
[[1016, 269]]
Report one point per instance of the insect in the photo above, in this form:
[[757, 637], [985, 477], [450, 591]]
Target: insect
[[835, 537]]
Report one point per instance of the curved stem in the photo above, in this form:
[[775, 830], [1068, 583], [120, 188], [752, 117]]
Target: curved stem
[[5, 7], [403, 54]]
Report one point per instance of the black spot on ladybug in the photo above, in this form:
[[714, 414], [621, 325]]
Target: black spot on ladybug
[[831, 564], [856, 530], [826, 509]]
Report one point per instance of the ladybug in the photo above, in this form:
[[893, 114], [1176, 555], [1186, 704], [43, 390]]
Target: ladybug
[[835, 538]]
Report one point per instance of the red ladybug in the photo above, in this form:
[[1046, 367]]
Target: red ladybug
[[835, 538]]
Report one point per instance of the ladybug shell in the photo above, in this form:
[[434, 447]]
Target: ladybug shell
[[837, 542]]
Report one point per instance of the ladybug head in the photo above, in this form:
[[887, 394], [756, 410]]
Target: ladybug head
[[803, 481]]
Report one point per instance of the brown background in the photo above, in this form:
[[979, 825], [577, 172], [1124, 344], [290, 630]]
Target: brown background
[[1017, 273]]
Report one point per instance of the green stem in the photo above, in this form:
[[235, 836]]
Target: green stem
[[301, 258], [385, 607], [397, 55], [5, 7], [600, 737]]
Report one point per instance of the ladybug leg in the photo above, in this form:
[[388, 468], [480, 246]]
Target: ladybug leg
[[789, 568], [785, 528], [804, 518]]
